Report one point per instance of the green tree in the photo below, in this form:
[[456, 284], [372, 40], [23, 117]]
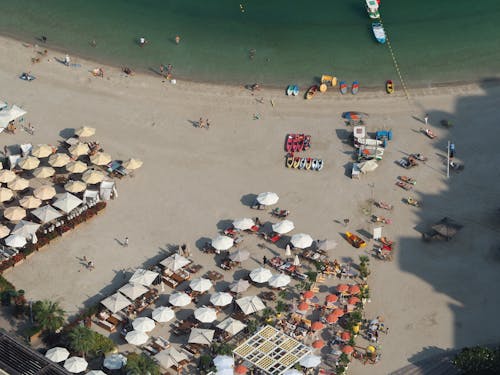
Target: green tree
[[81, 340], [102, 344], [223, 348], [48, 315], [141, 364], [478, 361]]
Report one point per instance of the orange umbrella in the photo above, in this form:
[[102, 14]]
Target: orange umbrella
[[348, 349], [332, 298], [353, 300], [354, 289], [308, 294], [345, 336], [303, 306], [338, 312], [316, 326], [318, 344], [332, 318], [240, 369], [342, 288]]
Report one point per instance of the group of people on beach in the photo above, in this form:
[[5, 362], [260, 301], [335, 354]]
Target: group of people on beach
[[203, 123]]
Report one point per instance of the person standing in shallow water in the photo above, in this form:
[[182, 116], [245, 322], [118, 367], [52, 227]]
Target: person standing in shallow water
[[177, 39]]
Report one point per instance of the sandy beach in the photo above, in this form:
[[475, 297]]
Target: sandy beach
[[195, 181]]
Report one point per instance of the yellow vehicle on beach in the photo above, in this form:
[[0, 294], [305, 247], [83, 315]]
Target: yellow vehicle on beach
[[354, 240]]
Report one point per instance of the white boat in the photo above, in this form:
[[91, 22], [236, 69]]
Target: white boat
[[379, 32], [372, 9]]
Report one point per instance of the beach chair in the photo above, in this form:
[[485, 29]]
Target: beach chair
[[275, 238]]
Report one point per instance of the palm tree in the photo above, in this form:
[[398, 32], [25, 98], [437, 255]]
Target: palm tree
[[141, 364], [81, 339], [48, 315]]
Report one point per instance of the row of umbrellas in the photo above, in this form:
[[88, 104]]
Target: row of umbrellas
[[78, 364], [300, 240]]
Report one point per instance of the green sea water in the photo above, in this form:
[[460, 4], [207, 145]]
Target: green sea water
[[294, 41]]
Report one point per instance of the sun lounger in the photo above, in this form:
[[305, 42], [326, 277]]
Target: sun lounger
[[230, 231], [275, 238], [254, 229]]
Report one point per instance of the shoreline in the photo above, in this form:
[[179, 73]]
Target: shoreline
[[490, 81]]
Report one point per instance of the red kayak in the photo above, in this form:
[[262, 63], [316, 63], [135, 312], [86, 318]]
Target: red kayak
[[289, 142], [300, 142]]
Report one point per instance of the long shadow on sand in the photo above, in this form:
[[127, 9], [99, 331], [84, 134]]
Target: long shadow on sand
[[463, 268]]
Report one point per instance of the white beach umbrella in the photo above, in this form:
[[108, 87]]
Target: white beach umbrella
[[75, 186], [132, 163], [46, 213], [95, 372], [250, 304], [301, 240], [225, 371], [239, 256], [6, 176], [293, 372], [44, 172], [85, 131], [310, 361], [30, 202], [175, 262], [116, 302], [170, 357], [143, 277], [28, 162], [25, 228], [288, 251], [201, 336], [59, 160], [5, 194], [114, 361], [261, 275], [279, 281], [100, 158], [179, 299], [18, 184], [41, 151], [223, 361], [75, 364], [14, 213], [222, 243], [76, 166], [57, 354], [296, 260], [200, 284], [136, 337], [79, 149], [243, 224], [67, 202], [143, 324], [231, 326], [163, 314], [92, 176], [326, 245], [4, 231], [133, 291], [44, 192], [205, 314], [221, 299], [283, 227], [268, 198], [15, 240], [239, 286]]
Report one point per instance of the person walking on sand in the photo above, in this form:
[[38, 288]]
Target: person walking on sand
[[346, 222], [125, 242], [426, 119], [201, 123], [264, 260], [208, 124]]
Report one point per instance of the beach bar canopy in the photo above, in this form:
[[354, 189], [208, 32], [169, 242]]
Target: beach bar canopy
[[170, 357], [447, 228], [133, 291], [272, 351], [46, 213], [12, 114], [116, 302], [143, 277]]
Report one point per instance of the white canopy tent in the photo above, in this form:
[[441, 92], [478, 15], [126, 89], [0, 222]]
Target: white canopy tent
[[201, 336], [250, 304], [133, 291], [143, 277], [11, 114], [46, 213], [67, 202], [116, 302], [170, 357], [175, 262]]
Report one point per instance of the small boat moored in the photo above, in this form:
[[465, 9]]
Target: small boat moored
[[389, 86], [312, 91], [355, 87], [343, 87], [295, 90], [289, 90], [372, 9], [379, 32]]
